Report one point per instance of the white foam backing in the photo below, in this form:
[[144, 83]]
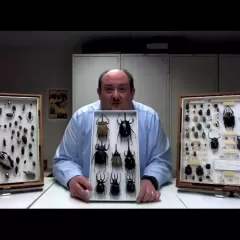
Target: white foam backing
[[6, 133], [205, 155], [121, 147]]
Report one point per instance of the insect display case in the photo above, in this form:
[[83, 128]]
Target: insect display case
[[209, 142], [114, 171], [21, 162]]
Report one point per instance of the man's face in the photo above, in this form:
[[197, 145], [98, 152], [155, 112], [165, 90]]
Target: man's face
[[115, 93]]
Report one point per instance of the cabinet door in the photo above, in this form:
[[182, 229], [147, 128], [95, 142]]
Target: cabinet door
[[189, 74], [86, 71], [150, 73], [229, 73]]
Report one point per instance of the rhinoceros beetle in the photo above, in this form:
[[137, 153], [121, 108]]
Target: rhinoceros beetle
[[115, 182], [125, 129], [100, 155], [228, 118], [102, 128], [101, 180], [129, 159], [130, 184], [214, 140], [116, 158]]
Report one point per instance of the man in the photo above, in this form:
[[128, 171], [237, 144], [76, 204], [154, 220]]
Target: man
[[72, 158]]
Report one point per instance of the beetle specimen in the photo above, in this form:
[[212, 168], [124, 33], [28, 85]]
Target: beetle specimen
[[0, 111], [29, 116], [23, 107], [102, 128], [115, 188], [17, 160], [22, 150], [214, 140], [129, 159], [24, 139], [130, 184], [4, 142], [238, 142], [9, 115], [125, 129], [116, 158], [5, 161], [12, 148], [29, 174], [100, 187], [100, 155], [228, 118]]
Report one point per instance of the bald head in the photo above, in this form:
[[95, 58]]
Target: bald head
[[116, 89], [116, 74]]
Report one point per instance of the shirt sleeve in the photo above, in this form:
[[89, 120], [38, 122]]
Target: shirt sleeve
[[159, 153], [65, 162]]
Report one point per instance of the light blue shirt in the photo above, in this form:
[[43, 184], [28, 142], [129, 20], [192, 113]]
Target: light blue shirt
[[73, 153]]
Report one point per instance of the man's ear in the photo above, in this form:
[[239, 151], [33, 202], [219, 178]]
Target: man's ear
[[98, 92], [133, 92]]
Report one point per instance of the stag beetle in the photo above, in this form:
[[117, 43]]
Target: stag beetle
[[100, 155], [214, 140], [129, 159], [102, 128], [130, 184], [125, 129], [29, 116], [100, 187], [5, 161], [228, 118], [115, 189], [116, 158]]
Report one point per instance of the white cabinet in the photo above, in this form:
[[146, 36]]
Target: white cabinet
[[151, 80], [86, 71], [189, 74], [229, 73]]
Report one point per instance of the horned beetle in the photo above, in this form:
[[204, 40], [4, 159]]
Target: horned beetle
[[100, 155], [129, 159], [130, 184], [115, 182], [116, 158], [125, 129], [102, 128], [101, 180]]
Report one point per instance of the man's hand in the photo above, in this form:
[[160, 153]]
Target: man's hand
[[147, 192], [78, 186]]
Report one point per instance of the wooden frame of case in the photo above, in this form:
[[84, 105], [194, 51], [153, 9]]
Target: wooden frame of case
[[40, 181], [199, 186]]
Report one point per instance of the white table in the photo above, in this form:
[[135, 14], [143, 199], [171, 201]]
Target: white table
[[207, 200], [24, 199], [58, 197]]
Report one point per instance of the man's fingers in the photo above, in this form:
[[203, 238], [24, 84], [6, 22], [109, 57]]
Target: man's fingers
[[157, 198], [85, 184], [141, 195], [81, 193]]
